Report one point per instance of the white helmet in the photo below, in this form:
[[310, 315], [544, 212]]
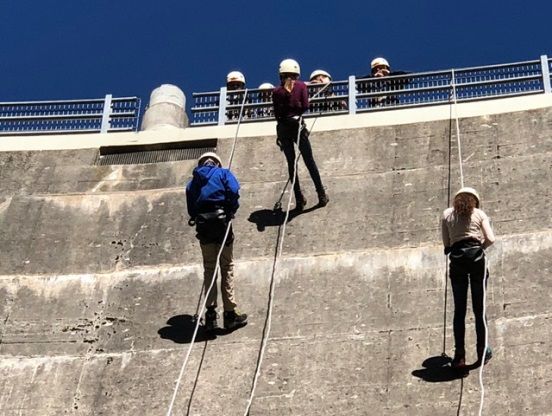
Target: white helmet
[[471, 191], [379, 62], [235, 76], [266, 86], [317, 72], [209, 155], [290, 66]]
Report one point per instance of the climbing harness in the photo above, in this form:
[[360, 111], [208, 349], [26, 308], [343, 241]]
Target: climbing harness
[[199, 312]]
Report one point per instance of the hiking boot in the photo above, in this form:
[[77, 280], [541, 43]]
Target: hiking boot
[[459, 360], [234, 319], [488, 356], [300, 202], [211, 319], [323, 198]]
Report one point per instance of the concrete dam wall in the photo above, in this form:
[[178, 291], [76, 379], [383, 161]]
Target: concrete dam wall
[[100, 276]]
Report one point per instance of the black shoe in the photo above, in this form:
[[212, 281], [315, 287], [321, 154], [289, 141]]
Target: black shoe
[[234, 319], [300, 202], [323, 198], [459, 360], [211, 319], [488, 356]]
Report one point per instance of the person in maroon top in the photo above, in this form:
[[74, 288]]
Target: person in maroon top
[[290, 101]]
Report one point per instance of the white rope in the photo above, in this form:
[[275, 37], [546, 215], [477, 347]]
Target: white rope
[[213, 280], [457, 128], [486, 338], [264, 341], [237, 130], [482, 386], [169, 412]]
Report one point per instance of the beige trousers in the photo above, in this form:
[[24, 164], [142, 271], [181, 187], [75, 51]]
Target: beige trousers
[[210, 253]]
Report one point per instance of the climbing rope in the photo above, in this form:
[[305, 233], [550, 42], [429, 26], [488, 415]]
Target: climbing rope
[[482, 386], [277, 256], [444, 352], [213, 279], [457, 128], [484, 354]]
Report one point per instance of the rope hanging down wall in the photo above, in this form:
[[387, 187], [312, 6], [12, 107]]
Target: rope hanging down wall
[[213, 279]]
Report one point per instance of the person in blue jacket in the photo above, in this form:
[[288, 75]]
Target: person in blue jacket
[[212, 199]]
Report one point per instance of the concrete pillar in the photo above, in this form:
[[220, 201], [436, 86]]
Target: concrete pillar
[[167, 107]]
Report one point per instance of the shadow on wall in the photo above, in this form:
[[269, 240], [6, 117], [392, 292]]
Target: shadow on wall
[[181, 329], [437, 369], [275, 217]]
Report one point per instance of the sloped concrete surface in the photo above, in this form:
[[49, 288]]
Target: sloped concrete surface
[[100, 276]]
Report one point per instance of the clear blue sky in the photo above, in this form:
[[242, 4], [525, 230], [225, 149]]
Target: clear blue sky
[[68, 49]]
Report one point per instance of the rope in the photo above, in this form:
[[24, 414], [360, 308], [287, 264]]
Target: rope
[[277, 256], [444, 353], [457, 128], [230, 159], [486, 338], [482, 386], [213, 280]]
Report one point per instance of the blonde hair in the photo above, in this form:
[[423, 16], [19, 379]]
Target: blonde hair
[[464, 204]]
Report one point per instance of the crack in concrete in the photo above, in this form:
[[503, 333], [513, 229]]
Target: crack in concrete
[[10, 301]]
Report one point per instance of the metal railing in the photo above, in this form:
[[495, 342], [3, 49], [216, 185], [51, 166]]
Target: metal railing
[[72, 116], [376, 94]]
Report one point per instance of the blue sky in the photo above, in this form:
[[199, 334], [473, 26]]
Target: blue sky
[[69, 49]]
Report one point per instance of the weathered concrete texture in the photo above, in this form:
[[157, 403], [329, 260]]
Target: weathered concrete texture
[[348, 331], [100, 276], [86, 233]]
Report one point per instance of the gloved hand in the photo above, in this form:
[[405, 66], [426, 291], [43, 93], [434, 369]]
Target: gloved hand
[[191, 222], [447, 250], [279, 143]]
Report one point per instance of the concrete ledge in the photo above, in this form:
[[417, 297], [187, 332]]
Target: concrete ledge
[[328, 123]]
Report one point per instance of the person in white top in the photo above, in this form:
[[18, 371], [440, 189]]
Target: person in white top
[[466, 232]]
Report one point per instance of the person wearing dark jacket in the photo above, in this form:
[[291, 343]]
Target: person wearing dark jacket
[[466, 233], [290, 101], [212, 200], [380, 68]]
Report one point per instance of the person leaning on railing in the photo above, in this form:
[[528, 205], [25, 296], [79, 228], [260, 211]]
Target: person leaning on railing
[[235, 86], [322, 80], [264, 96], [380, 68]]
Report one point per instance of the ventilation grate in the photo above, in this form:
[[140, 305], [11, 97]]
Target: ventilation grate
[[169, 152]]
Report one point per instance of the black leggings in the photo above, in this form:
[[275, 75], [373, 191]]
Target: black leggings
[[462, 275], [287, 133]]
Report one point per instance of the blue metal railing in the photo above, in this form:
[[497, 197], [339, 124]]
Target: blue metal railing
[[72, 116], [376, 94]]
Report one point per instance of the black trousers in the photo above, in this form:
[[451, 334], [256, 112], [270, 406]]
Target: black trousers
[[463, 274], [287, 134]]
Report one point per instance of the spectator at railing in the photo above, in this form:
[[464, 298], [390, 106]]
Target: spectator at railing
[[325, 91], [380, 68], [265, 96], [235, 86]]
